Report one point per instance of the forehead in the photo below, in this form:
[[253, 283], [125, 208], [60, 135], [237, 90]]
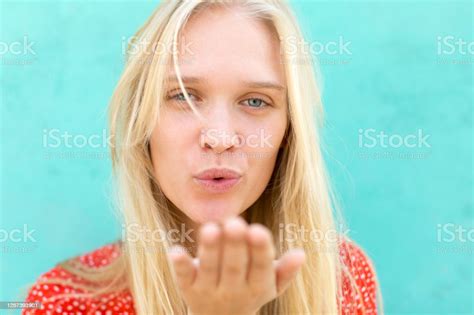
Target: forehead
[[224, 42]]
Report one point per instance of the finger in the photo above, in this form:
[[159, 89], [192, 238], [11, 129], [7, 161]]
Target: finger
[[208, 255], [183, 266], [235, 253], [287, 267], [262, 253]]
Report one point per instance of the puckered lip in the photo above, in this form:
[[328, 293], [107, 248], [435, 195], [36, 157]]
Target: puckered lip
[[218, 173]]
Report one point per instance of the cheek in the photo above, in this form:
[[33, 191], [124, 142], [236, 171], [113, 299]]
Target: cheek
[[167, 166], [167, 144], [268, 136], [169, 137], [261, 167], [262, 158]]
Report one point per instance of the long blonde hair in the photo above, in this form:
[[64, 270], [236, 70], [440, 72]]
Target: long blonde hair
[[298, 192]]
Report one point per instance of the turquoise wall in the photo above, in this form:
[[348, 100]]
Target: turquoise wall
[[390, 68]]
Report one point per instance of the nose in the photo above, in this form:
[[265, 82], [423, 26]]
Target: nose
[[218, 132]]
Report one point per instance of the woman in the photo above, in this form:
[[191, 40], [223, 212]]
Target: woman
[[216, 151]]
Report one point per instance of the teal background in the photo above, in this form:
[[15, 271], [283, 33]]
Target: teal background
[[393, 81]]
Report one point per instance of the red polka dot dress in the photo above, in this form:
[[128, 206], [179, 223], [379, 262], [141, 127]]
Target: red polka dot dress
[[53, 301]]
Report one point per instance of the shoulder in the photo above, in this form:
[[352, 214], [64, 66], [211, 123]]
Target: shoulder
[[359, 280], [101, 256], [58, 291]]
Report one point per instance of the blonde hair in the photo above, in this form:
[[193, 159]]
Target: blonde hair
[[298, 192]]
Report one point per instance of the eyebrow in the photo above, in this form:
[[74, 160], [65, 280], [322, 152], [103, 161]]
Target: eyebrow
[[252, 84]]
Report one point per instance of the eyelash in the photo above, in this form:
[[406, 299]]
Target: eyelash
[[266, 104], [174, 97]]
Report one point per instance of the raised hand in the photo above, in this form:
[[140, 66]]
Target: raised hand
[[235, 271]]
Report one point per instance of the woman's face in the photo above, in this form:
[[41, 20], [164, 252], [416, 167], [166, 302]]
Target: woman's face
[[230, 65]]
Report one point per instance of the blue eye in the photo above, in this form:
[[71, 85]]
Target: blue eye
[[180, 97], [256, 103]]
